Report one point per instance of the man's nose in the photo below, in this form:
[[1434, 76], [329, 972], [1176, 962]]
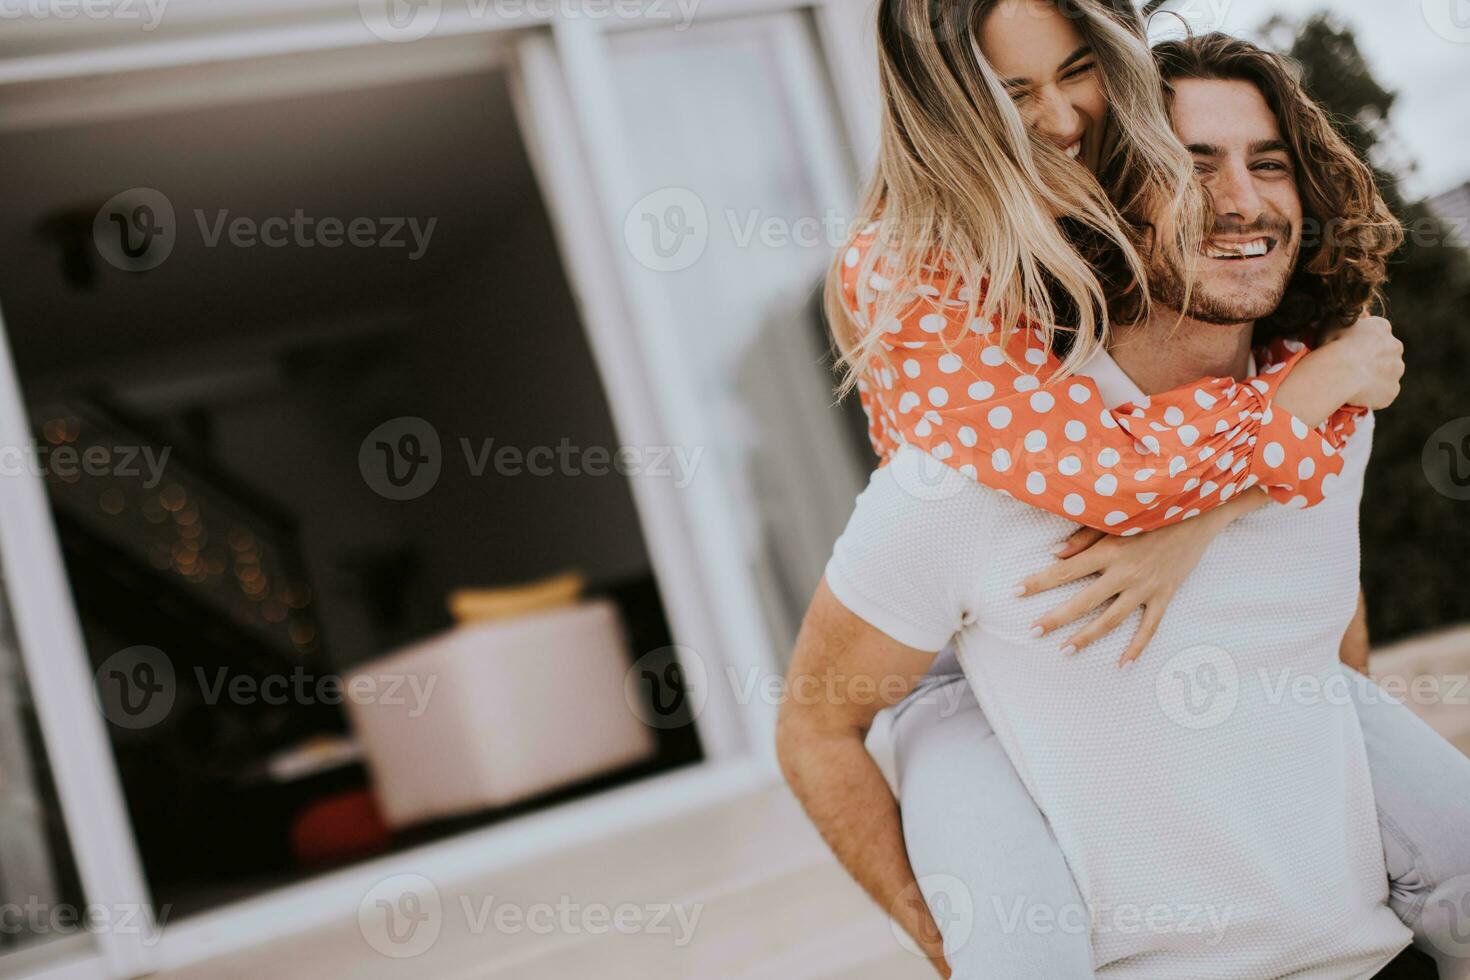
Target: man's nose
[[1057, 117], [1234, 193]]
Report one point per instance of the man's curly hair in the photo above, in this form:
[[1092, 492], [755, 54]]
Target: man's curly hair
[[1348, 232]]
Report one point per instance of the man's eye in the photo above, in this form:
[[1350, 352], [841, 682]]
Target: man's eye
[[1272, 165]]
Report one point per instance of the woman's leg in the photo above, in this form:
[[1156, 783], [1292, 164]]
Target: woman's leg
[[1422, 786], [985, 857]]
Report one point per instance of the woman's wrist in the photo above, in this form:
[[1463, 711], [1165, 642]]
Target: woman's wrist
[[1323, 381], [1234, 509]]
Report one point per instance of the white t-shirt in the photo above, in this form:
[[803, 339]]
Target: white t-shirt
[[1212, 799]]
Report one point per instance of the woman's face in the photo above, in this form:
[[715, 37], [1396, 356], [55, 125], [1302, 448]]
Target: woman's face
[[1050, 73]]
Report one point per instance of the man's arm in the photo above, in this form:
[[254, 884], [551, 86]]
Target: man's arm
[[1354, 648], [842, 674]]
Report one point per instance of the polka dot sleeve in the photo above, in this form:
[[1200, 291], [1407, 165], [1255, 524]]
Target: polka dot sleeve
[[990, 410]]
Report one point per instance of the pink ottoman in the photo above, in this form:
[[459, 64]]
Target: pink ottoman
[[489, 714]]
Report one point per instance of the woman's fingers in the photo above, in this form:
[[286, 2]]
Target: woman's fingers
[[1076, 607], [1062, 572], [1079, 541], [1120, 609], [1153, 614]]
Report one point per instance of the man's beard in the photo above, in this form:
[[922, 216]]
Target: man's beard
[[1166, 282]]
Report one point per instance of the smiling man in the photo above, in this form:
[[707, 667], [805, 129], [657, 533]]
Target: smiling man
[[1188, 816]]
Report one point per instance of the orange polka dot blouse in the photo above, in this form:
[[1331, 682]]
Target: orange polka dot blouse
[[948, 388]]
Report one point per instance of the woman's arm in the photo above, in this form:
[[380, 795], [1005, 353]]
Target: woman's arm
[[1143, 571], [986, 407], [1356, 368]]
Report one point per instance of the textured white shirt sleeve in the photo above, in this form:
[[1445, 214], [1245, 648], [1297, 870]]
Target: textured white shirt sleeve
[[909, 559]]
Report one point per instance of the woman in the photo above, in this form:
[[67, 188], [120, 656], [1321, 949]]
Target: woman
[[965, 195], [953, 163]]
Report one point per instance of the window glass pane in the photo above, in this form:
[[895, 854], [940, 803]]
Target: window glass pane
[[41, 900], [739, 226]]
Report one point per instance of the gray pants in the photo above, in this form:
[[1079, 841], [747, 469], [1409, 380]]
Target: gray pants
[[968, 819]]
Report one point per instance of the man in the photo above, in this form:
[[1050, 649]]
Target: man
[[1235, 823]]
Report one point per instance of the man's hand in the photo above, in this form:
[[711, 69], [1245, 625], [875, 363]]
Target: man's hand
[[842, 674]]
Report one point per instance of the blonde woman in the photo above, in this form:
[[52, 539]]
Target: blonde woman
[[966, 161], [980, 157]]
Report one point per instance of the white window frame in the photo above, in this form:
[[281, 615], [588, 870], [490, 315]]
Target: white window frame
[[562, 85]]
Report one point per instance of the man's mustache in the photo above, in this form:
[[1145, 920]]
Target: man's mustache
[[1277, 228]]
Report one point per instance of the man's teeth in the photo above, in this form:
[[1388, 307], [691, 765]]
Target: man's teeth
[[1238, 250]]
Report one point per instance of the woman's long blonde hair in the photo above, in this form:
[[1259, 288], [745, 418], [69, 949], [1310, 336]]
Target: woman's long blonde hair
[[959, 179]]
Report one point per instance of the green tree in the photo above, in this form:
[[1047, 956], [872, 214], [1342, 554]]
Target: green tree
[[1415, 540]]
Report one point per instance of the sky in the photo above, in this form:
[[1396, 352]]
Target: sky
[[1419, 49]]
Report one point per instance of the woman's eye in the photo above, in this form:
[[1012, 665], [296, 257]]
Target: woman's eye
[[1080, 70], [1019, 95]]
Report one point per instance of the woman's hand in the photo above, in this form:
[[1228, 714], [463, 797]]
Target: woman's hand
[[1356, 365], [1376, 354], [1142, 571]]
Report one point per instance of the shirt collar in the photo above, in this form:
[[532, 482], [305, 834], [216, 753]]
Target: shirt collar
[[1114, 384]]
